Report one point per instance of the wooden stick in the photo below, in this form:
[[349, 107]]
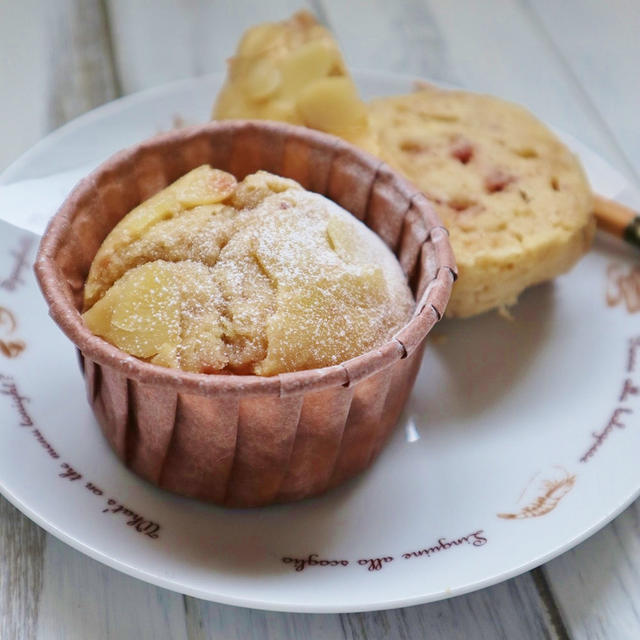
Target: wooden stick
[[618, 220]]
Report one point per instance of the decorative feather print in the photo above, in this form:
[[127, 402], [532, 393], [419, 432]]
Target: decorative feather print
[[543, 493]]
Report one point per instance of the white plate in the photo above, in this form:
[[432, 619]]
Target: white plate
[[521, 438]]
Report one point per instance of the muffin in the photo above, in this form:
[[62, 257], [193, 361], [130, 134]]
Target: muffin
[[261, 276], [514, 199], [245, 439]]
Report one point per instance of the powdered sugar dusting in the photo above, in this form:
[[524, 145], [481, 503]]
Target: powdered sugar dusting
[[283, 280]]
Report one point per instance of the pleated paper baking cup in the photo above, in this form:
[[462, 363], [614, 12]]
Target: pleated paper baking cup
[[243, 440]]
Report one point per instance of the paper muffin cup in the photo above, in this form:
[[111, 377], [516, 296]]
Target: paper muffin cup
[[244, 440]]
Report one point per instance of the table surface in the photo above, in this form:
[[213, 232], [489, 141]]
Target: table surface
[[574, 63]]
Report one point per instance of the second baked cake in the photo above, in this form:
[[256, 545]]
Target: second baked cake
[[515, 200]]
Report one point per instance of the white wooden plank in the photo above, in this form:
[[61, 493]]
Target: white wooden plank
[[55, 64], [510, 610], [494, 48], [82, 598], [601, 43], [401, 37], [596, 585], [23, 77], [80, 68], [21, 560], [174, 40], [208, 620]]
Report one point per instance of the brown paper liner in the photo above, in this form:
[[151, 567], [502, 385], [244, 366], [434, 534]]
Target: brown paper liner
[[248, 440]]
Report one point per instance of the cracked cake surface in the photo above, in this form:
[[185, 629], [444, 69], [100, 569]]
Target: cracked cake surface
[[259, 277]]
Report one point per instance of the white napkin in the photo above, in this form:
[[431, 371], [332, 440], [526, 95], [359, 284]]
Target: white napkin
[[30, 204]]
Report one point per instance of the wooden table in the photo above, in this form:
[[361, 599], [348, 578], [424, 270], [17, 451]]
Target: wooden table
[[574, 63]]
